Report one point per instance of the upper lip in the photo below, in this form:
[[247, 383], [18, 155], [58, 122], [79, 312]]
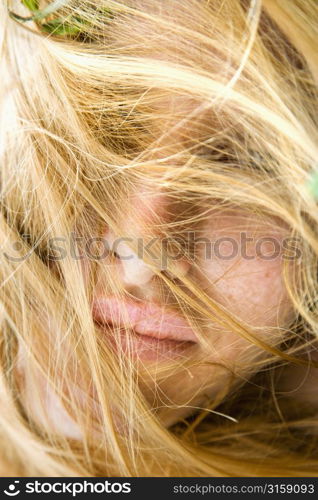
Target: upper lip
[[144, 318]]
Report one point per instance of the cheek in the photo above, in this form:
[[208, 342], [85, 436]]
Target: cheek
[[249, 284], [255, 291]]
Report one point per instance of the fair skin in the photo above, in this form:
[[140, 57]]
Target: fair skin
[[252, 289], [242, 273], [249, 284]]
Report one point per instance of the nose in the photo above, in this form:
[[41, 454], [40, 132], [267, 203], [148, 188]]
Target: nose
[[134, 271], [149, 209]]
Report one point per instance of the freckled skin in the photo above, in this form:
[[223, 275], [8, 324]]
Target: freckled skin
[[253, 290], [250, 288], [250, 283]]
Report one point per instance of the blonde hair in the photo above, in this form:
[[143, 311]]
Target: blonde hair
[[210, 100]]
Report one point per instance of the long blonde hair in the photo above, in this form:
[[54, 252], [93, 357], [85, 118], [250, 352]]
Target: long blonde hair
[[208, 99]]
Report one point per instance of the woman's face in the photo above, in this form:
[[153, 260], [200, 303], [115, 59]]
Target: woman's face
[[234, 257], [237, 260]]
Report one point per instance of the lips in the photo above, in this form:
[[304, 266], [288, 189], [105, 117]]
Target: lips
[[146, 319]]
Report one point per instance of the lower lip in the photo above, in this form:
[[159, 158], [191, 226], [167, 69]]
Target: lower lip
[[145, 348]]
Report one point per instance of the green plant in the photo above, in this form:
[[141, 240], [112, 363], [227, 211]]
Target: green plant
[[63, 26]]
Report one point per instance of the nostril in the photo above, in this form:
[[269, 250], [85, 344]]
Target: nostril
[[115, 254]]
